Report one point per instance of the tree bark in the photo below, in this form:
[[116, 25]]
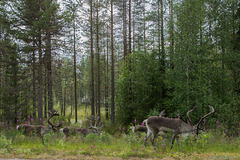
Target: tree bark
[[40, 109], [92, 59], [171, 34], [34, 83], [112, 70], [49, 71], [106, 88], [124, 30], [75, 71], [129, 29], [98, 65]]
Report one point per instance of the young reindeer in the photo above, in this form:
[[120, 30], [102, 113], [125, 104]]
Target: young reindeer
[[67, 131], [157, 124], [39, 129], [142, 128]]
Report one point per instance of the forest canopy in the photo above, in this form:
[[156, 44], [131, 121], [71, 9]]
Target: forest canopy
[[126, 60]]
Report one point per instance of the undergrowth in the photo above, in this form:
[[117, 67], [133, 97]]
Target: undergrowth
[[118, 145]]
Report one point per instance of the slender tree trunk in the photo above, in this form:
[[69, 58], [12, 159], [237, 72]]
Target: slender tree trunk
[[124, 30], [1, 74], [64, 101], [92, 59], [49, 71], [75, 72], [171, 35], [98, 65], [112, 70], [40, 95], [162, 37], [45, 91], [106, 94], [159, 33], [40, 109], [129, 29], [144, 28], [34, 84], [134, 12]]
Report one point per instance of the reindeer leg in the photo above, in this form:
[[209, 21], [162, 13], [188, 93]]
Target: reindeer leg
[[154, 134], [175, 135], [145, 139]]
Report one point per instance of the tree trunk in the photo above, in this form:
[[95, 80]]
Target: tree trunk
[[162, 37], [144, 29], [171, 34], [159, 33], [106, 87], [75, 72], [40, 109], [92, 59], [124, 30], [98, 65], [34, 83], [45, 91], [49, 71], [112, 70], [129, 29]]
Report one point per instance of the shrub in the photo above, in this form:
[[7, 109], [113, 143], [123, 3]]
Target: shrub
[[105, 138], [5, 142], [91, 138]]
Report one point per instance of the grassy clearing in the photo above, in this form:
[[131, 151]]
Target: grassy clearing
[[107, 146], [116, 143]]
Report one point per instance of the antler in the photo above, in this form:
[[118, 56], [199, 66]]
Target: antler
[[162, 114], [178, 115], [211, 112], [52, 113], [189, 119], [91, 118]]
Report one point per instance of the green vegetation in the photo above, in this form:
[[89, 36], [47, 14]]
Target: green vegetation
[[116, 141], [120, 145]]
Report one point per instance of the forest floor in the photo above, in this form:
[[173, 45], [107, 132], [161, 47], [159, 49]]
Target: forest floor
[[206, 156]]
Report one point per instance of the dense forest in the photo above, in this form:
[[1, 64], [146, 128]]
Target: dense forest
[[125, 59]]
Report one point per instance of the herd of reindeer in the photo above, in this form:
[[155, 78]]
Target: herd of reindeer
[[155, 125]]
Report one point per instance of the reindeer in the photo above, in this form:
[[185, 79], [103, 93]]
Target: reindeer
[[142, 128], [156, 124], [85, 131], [40, 129]]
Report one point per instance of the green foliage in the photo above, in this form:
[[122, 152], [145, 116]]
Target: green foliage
[[139, 86], [4, 141], [125, 146], [91, 138]]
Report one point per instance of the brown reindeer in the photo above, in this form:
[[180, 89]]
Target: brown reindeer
[[156, 124], [67, 131], [142, 128], [40, 130]]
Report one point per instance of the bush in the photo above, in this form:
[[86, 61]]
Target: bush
[[91, 138], [105, 138], [5, 142]]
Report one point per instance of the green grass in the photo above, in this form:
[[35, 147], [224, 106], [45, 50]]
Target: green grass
[[125, 146], [116, 143]]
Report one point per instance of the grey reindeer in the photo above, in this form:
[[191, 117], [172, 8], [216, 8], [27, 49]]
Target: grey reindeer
[[156, 124]]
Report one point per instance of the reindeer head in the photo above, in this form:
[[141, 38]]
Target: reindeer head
[[97, 127], [196, 127]]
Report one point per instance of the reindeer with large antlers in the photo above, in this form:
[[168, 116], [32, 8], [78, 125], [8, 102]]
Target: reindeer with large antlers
[[156, 124], [40, 129]]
